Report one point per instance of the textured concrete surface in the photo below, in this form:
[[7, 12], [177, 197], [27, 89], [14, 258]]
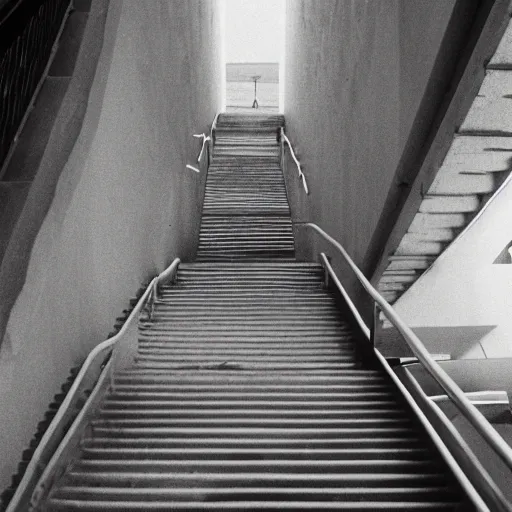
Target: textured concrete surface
[[12, 198], [478, 154], [490, 111], [356, 73], [503, 55], [476, 162], [124, 203], [477, 376]]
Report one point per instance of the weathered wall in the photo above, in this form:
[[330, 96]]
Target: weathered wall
[[356, 74], [124, 205], [478, 291]]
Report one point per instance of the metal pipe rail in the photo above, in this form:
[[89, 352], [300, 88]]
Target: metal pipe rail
[[94, 364], [206, 139], [474, 416], [214, 125], [297, 163], [487, 487], [470, 412]]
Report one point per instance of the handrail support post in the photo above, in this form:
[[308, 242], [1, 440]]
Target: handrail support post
[[327, 278], [376, 326], [470, 412]]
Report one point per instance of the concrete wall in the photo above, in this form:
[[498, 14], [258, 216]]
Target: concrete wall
[[464, 288], [356, 74], [124, 206]]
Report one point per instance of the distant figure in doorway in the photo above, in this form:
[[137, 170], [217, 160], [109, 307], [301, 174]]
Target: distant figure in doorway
[[255, 79]]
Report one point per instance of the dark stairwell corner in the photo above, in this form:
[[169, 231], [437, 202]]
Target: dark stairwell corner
[[20, 168]]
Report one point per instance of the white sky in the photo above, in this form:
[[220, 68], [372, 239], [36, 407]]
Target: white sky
[[252, 30]]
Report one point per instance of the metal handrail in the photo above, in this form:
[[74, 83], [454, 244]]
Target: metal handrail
[[489, 490], [205, 138], [297, 163], [102, 350], [479, 474], [357, 316], [214, 125], [470, 412]]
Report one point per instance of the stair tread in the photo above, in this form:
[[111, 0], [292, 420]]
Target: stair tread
[[248, 390]]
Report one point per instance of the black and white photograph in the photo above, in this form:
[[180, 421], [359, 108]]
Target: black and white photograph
[[255, 255]]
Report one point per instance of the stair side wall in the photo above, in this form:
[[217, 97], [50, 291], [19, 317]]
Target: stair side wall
[[356, 76], [124, 204], [465, 290]]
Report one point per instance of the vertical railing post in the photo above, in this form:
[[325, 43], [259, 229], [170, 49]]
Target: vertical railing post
[[155, 291], [327, 278], [376, 324], [281, 147]]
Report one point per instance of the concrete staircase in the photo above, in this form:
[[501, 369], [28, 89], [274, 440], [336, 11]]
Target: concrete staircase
[[475, 166], [246, 213], [249, 391]]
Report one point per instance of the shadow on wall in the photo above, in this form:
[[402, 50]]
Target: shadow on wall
[[456, 341], [124, 204]]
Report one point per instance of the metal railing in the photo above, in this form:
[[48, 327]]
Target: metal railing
[[285, 139], [28, 32], [207, 142], [214, 125], [205, 138], [480, 478], [55, 437]]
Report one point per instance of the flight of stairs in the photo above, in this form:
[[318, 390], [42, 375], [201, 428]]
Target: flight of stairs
[[454, 192], [249, 391], [245, 212]]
